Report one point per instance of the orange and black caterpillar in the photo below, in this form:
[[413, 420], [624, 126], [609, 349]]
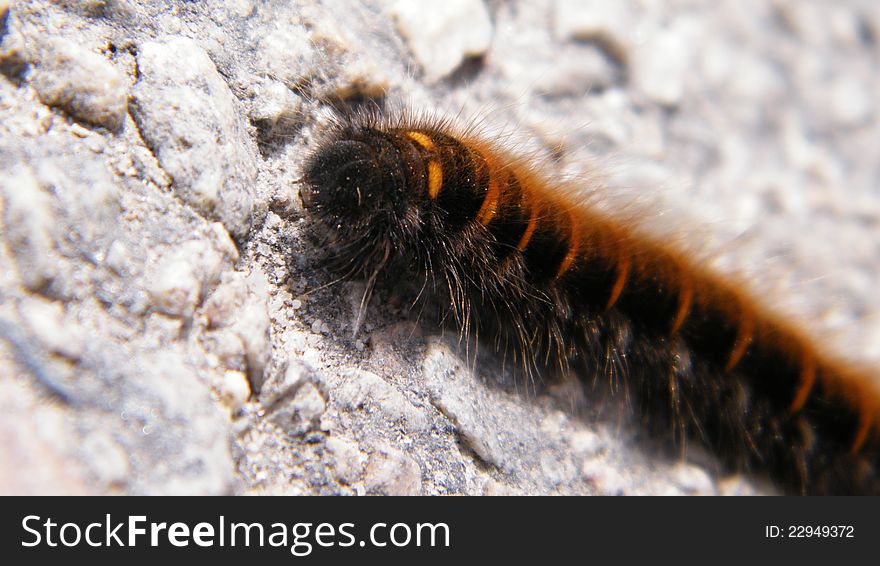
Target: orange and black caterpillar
[[546, 280]]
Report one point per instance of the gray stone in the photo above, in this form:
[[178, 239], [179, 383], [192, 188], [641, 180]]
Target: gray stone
[[188, 116], [80, 82], [156, 336], [442, 34], [391, 472]]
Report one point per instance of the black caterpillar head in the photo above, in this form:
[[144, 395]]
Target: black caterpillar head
[[355, 177], [357, 186]]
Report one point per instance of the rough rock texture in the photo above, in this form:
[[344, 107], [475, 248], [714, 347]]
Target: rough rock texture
[[165, 326]]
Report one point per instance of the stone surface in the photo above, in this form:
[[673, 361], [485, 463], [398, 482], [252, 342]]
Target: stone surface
[[80, 82], [165, 322], [442, 34], [187, 114]]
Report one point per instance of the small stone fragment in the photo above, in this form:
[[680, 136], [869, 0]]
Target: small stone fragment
[[289, 57], [46, 320], [276, 389], [851, 103], [346, 459], [442, 34], [80, 82], [238, 307], [660, 67], [606, 22], [366, 389], [275, 107], [175, 289], [235, 390], [178, 282], [302, 413], [30, 225], [391, 472], [107, 458]]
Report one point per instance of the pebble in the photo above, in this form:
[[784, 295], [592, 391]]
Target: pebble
[[118, 258], [693, 480], [851, 103], [391, 472], [30, 225], [346, 459], [234, 390], [47, 320], [239, 306], [442, 34], [223, 242], [275, 105], [289, 56], [221, 307], [309, 403], [174, 288], [607, 22], [108, 459], [180, 277], [660, 66], [276, 389], [300, 413], [80, 82]]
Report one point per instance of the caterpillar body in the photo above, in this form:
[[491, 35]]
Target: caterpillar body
[[546, 280]]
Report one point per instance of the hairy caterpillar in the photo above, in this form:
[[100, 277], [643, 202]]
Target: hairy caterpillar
[[548, 281]]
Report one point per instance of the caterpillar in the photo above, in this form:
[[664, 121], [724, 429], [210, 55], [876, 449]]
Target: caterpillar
[[555, 284]]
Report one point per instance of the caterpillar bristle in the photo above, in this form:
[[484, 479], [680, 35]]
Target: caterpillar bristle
[[548, 281]]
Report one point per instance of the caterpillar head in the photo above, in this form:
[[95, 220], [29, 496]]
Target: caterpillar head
[[354, 178]]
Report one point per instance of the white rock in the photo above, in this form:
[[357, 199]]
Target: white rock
[[47, 321], [242, 8], [660, 66], [301, 413], [309, 403], [288, 56], [294, 376], [223, 304], [693, 480], [606, 21], [175, 289], [234, 390], [275, 104], [346, 459], [442, 34], [239, 306], [179, 278], [189, 117], [118, 258], [107, 458], [223, 242], [851, 103], [30, 225], [253, 326], [80, 82], [391, 472]]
